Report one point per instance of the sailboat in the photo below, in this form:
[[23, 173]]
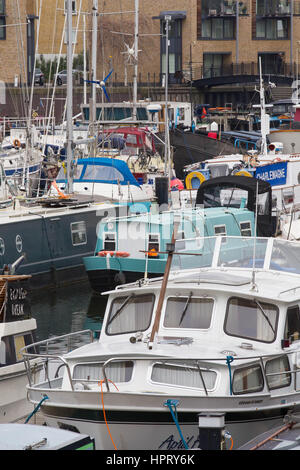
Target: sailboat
[[55, 231]]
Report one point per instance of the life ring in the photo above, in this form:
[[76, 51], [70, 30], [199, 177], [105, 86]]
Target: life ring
[[243, 173], [152, 253], [194, 175], [277, 160], [117, 254], [17, 143]]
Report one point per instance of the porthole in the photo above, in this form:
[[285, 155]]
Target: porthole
[[2, 247], [19, 243]]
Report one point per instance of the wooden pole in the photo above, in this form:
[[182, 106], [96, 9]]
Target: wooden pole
[[163, 287]]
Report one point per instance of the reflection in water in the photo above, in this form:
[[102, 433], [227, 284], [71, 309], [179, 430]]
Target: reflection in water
[[66, 310]]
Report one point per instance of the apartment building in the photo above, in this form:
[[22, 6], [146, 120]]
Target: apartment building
[[207, 38]]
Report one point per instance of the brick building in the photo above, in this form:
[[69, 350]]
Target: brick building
[[207, 37]]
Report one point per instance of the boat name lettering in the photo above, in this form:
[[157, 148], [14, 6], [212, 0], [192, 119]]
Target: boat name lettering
[[18, 294], [17, 310], [171, 443], [250, 402]]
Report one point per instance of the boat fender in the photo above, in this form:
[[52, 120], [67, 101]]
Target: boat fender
[[17, 143], [152, 253], [117, 254], [120, 278], [194, 175]]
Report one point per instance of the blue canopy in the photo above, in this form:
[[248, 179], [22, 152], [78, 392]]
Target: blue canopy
[[101, 170]]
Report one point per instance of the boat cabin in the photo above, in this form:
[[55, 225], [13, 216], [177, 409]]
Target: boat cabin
[[240, 191], [130, 248]]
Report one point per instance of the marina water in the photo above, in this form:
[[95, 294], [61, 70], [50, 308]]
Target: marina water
[[66, 310]]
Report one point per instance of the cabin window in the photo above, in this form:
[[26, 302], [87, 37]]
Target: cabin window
[[117, 372], [153, 242], [188, 312], [288, 196], [10, 348], [251, 319], [218, 170], [220, 231], [247, 380], [278, 367], [245, 228], [184, 375], [102, 173], [78, 233], [109, 243], [292, 325], [130, 314]]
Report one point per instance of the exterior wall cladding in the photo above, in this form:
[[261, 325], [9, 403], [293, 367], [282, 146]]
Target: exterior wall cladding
[[207, 35]]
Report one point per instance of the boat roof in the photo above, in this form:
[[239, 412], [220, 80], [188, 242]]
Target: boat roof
[[263, 267], [15, 436], [242, 182], [164, 217]]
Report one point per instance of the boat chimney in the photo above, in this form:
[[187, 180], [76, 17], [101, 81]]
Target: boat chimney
[[211, 431], [162, 192]]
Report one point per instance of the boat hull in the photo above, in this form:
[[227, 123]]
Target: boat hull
[[150, 430], [13, 400]]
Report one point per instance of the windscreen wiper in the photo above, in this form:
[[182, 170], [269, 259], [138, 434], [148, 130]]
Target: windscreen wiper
[[185, 307], [265, 315], [120, 309]]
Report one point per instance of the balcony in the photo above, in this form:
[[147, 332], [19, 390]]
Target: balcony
[[273, 8], [223, 8], [232, 73]]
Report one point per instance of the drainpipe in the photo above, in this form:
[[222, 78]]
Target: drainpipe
[[237, 31], [292, 34]]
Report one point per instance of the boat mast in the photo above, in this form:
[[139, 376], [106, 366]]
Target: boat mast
[[94, 60], [69, 99], [136, 46], [167, 152]]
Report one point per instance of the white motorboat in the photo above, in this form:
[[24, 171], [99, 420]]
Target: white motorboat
[[17, 329], [222, 335]]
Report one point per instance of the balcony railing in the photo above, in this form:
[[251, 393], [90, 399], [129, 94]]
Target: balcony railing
[[224, 8], [276, 8], [251, 69]]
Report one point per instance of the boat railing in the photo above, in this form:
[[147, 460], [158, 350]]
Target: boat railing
[[203, 365], [196, 362], [46, 357]]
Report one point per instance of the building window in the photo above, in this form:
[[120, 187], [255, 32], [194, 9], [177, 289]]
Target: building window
[[74, 11], [78, 231], [2, 20], [218, 28], [272, 28]]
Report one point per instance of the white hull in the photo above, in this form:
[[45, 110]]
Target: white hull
[[157, 435]]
